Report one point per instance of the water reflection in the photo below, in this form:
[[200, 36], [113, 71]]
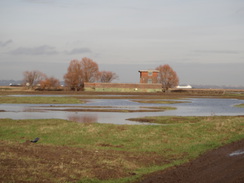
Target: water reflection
[[193, 107], [237, 153], [88, 118]]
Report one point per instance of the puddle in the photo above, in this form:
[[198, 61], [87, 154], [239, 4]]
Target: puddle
[[237, 153]]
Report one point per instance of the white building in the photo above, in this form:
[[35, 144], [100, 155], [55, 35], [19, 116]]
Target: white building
[[184, 86]]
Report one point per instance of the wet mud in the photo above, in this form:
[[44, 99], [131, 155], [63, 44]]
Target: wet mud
[[33, 162], [222, 165]]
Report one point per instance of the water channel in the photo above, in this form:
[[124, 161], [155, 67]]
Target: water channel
[[191, 107]]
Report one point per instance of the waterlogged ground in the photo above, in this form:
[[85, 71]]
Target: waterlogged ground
[[117, 111], [93, 152], [69, 151]]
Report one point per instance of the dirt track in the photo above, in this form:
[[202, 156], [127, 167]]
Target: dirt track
[[217, 166]]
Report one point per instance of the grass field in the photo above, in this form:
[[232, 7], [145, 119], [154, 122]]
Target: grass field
[[69, 151], [39, 100], [79, 152]]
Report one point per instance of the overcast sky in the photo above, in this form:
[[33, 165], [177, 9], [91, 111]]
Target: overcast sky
[[202, 40]]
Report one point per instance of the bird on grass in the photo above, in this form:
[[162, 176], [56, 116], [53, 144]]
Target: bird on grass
[[35, 140]]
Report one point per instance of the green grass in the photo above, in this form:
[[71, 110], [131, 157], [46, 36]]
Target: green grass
[[160, 108], [39, 100], [183, 140], [158, 101], [234, 94], [240, 105], [175, 119]]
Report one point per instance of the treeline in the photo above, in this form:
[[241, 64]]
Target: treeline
[[86, 70], [78, 72]]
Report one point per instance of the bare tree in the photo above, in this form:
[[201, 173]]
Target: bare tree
[[85, 70], [90, 70], [107, 76], [74, 76], [167, 76], [32, 78], [50, 82]]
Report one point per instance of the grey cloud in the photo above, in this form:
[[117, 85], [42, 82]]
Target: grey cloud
[[3, 44], [39, 1], [40, 50], [217, 51], [240, 11], [79, 51], [54, 3]]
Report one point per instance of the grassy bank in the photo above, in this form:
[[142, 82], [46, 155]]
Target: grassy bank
[[173, 120], [240, 105], [173, 94], [39, 100], [105, 152], [158, 101]]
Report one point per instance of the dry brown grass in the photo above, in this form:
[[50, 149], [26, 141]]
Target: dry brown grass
[[33, 162]]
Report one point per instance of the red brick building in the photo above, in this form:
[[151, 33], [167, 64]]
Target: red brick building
[[148, 83], [149, 76]]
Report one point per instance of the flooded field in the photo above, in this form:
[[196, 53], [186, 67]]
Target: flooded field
[[117, 111]]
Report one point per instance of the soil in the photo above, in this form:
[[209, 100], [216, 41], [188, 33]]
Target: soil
[[33, 162], [222, 165]]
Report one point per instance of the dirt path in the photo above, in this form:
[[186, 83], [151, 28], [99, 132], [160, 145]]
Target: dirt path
[[223, 165]]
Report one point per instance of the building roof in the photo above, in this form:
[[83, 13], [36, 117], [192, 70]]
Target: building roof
[[149, 70]]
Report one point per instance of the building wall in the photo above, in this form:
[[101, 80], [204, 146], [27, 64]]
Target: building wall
[[122, 87], [148, 76]]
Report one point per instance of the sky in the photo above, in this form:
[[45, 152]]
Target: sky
[[202, 40]]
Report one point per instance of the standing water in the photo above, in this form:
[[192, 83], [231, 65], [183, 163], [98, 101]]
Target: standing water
[[191, 107]]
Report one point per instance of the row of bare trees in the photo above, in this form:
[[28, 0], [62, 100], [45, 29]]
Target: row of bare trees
[[37, 78], [78, 72], [86, 70]]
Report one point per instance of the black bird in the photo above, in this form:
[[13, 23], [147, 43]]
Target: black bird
[[35, 140]]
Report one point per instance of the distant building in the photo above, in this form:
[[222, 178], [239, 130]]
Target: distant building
[[12, 84], [149, 76], [184, 86]]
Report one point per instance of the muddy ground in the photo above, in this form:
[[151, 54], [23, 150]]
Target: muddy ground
[[29, 162], [34, 162], [223, 165]]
